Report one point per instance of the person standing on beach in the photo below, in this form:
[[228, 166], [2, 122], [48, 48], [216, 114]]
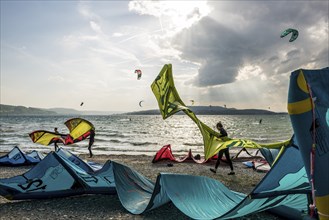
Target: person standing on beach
[[91, 141], [55, 143], [225, 151]]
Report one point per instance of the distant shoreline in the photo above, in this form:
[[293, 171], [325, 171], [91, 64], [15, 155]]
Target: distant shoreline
[[8, 110]]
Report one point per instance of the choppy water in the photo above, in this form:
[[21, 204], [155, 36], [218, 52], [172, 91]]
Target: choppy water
[[132, 134]]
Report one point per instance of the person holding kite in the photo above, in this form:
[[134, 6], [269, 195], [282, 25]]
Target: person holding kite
[[55, 143], [225, 151], [91, 141]]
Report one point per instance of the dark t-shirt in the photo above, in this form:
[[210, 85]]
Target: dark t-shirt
[[223, 133]]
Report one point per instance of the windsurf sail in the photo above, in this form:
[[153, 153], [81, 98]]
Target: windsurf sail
[[308, 107], [79, 130], [169, 103]]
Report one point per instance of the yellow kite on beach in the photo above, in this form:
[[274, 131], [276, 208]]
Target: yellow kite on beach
[[170, 103], [79, 130]]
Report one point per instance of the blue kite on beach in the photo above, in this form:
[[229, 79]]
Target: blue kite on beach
[[59, 174], [16, 157], [283, 190]]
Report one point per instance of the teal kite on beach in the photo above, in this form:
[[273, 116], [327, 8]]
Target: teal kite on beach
[[16, 157], [308, 107], [283, 190]]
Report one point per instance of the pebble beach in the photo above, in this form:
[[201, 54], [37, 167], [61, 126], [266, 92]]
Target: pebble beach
[[109, 206]]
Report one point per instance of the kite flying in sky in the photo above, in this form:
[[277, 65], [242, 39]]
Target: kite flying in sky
[[140, 103], [139, 74], [294, 34]]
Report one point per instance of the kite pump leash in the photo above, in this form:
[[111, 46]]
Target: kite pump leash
[[312, 154]]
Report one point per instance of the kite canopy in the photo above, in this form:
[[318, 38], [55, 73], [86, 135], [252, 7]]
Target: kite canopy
[[79, 130], [165, 153], [294, 34], [200, 197], [284, 189], [59, 175], [16, 157], [169, 103], [79, 127], [308, 107], [140, 103], [139, 74]]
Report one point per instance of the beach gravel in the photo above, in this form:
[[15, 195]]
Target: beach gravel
[[109, 206]]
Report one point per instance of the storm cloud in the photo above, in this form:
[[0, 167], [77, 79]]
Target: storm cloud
[[223, 49]]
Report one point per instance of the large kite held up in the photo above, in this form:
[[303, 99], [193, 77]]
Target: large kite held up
[[79, 130]]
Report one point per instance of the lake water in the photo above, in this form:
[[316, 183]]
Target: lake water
[[136, 134]]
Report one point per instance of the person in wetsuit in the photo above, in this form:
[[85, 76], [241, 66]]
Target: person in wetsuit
[[225, 151], [91, 142], [55, 143]]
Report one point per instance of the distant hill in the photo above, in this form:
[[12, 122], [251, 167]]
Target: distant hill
[[212, 110], [65, 111], [22, 110], [198, 110], [69, 111]]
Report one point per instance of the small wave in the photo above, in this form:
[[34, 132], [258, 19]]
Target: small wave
[[115, 135], [193, 144], [115, 141], [126, 142], [124, 119], [143, 143], [7, 130]]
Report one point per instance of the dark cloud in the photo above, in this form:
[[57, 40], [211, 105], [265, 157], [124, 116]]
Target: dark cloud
[[212, 49], [223, 49]]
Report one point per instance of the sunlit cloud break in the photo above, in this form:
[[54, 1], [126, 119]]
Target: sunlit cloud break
[[174, 15]]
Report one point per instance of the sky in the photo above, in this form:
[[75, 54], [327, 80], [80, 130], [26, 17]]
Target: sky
[[223, 53]]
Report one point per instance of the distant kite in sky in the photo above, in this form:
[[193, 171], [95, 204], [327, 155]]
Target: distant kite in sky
[[192, 102], [140, 103], [81, 104], [139, 74], [294, 34]]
